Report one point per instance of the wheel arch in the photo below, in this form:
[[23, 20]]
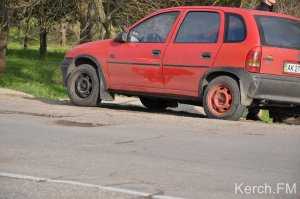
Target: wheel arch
[[88, 59], [242, 78]]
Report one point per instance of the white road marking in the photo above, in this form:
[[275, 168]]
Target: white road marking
[[76, 183]]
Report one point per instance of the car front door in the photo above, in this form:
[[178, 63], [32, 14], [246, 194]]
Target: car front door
[[192, 51], [137, 64]]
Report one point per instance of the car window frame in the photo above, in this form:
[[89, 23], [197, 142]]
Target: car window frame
[[262, 35], [184, 18], [226, 28], [150, 17]]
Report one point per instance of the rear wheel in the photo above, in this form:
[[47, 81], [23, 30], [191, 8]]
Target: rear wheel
[[154, 104], [84, 86], [222, 99]]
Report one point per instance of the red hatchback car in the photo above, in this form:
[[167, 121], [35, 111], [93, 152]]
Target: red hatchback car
[[228, 60]]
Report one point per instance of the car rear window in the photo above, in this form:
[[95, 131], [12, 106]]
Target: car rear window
[[279, 32]]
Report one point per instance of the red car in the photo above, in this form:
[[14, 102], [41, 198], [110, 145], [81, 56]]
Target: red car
[[228, 60]]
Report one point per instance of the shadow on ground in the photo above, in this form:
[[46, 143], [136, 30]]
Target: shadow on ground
[[123, 107], [137, 108]]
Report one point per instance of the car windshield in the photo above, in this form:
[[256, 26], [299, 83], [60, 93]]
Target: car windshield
[[279, 32]]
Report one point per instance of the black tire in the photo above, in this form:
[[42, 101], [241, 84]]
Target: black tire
[[234, 109], [154, 104], [84, 86]]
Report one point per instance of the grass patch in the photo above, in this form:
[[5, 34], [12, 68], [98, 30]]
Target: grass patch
[[26, 72]]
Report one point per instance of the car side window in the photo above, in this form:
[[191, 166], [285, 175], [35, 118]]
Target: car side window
[[235, 30], [199, 27], [153, 30]]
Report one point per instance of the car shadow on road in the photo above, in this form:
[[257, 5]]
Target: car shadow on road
[[192, 113], [128, 107], [137, 108]]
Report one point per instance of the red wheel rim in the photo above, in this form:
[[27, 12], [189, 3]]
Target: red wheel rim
[[219, 99]]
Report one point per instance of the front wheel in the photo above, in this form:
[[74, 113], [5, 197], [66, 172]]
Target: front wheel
[[222, 99], [84, 86]]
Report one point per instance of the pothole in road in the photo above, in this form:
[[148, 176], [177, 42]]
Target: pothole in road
[[77, 124]]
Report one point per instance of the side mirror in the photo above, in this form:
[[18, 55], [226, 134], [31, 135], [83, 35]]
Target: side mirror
[[121, 37]]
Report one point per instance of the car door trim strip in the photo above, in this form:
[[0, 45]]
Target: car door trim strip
[[134, 63], [184, 65]]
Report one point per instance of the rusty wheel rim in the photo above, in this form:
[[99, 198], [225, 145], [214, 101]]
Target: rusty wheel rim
[[220, 99]]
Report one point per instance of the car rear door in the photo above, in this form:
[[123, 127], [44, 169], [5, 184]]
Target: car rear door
[[280, 38], [192, 51], [137, 64]]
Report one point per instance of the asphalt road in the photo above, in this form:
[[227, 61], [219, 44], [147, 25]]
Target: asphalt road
[[152, 153]]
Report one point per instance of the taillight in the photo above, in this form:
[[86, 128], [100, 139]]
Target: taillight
[[253, 60]]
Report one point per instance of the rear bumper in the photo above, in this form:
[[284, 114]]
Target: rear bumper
[[275, 88]]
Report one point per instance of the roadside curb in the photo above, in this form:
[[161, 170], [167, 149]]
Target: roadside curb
[[105, 192]]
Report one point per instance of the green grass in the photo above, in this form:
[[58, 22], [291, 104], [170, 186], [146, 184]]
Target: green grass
[[26, 72]]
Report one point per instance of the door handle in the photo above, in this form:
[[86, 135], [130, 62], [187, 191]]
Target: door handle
[[156, 53], [206, 55]]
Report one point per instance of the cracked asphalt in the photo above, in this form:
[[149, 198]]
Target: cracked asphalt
[[177, 153]]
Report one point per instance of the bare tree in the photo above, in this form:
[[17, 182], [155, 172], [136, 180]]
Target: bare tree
[[26, 25], [47, 13], [85, 17], [106, 12], [63, 33], [7, 7]]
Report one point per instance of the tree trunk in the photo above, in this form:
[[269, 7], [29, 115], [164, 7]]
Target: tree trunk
[[63, 32], [3, 43], [25, 41], [101, 18], [105, 15], [3, 34], [26, 32], [86, 22], [43, 42], [76, 30], [107, 28]]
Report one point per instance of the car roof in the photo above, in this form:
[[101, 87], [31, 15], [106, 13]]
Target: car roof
[[231, 9]]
